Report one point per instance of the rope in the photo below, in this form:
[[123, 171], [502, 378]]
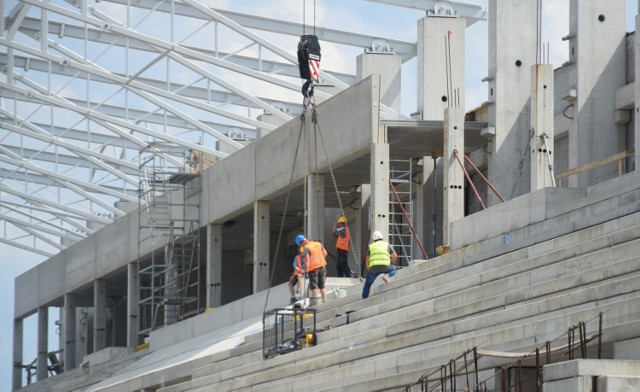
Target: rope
[[314, 119], [455, 154]]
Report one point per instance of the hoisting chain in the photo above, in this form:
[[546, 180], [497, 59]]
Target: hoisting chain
[[316, 127], [286, 206]]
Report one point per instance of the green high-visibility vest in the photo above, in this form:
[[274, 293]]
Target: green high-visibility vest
[[379, 253]]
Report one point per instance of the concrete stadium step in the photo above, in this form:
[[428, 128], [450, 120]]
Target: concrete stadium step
[[400, 293], [606, 233], [346, 299], [609, 237], [560, 221], [369, 336], [357, 371], [439, 332]]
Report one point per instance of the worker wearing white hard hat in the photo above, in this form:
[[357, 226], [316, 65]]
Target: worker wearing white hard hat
[[380, 260]]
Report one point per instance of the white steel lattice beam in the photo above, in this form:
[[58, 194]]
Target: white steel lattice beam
[[407, 50], [471, 12], [68, 149]]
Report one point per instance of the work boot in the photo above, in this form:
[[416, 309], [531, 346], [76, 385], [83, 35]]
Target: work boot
[[386, 278]]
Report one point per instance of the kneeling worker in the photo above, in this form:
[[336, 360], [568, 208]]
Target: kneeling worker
[[313, 257], [380, 260], [297, 278]]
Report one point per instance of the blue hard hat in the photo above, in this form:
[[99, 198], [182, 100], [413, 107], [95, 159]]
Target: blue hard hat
[[299, 239]]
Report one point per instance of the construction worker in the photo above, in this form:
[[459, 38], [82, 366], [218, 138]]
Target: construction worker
[[297, 278], [380, 260], [313, 256], [341, 231]]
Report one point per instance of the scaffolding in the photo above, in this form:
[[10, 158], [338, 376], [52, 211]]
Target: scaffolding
[[169, 276], [400, 236]]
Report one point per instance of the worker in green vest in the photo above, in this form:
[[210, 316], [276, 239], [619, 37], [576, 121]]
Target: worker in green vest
[[380, 260]]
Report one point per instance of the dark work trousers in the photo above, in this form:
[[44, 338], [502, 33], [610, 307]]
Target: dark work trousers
[[342, 264]]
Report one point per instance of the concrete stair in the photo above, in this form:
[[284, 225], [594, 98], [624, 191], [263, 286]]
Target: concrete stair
[[509, 301]]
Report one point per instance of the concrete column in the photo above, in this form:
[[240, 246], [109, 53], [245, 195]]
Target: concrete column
[[425, 210], [362, 233], [598, 51], [261, 241], [380, 189], [388, 65], [43, 343], [441, 65], [133, 296], [453, 175], [509, 70], [69, 331], [214, 266], [18, 341], [316, 207], [419, 214], [99, 314], [542, 151]]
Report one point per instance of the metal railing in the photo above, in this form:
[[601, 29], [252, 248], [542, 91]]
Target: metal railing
[[465, 368]]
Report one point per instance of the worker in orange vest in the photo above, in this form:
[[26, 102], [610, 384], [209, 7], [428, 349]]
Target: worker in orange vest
[[343, 237], [313, 257]]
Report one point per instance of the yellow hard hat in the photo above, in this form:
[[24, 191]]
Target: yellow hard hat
[[342, 219]]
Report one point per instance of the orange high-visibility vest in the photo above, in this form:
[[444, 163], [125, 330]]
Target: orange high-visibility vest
[[316, 258], [343, 243]]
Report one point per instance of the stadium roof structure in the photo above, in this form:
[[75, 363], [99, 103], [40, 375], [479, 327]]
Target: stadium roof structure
[[85, 86]]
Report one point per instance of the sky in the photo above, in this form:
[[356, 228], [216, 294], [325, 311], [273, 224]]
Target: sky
[[354, 15]]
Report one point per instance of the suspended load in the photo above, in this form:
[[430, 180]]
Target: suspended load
[[309, 62]]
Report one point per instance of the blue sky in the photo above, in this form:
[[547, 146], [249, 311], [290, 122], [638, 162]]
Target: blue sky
[[353, 15]]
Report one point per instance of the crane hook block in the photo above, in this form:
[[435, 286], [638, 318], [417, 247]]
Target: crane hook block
[[309, 57]]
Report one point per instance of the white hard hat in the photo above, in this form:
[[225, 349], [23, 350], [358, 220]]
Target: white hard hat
[[377, 235]]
